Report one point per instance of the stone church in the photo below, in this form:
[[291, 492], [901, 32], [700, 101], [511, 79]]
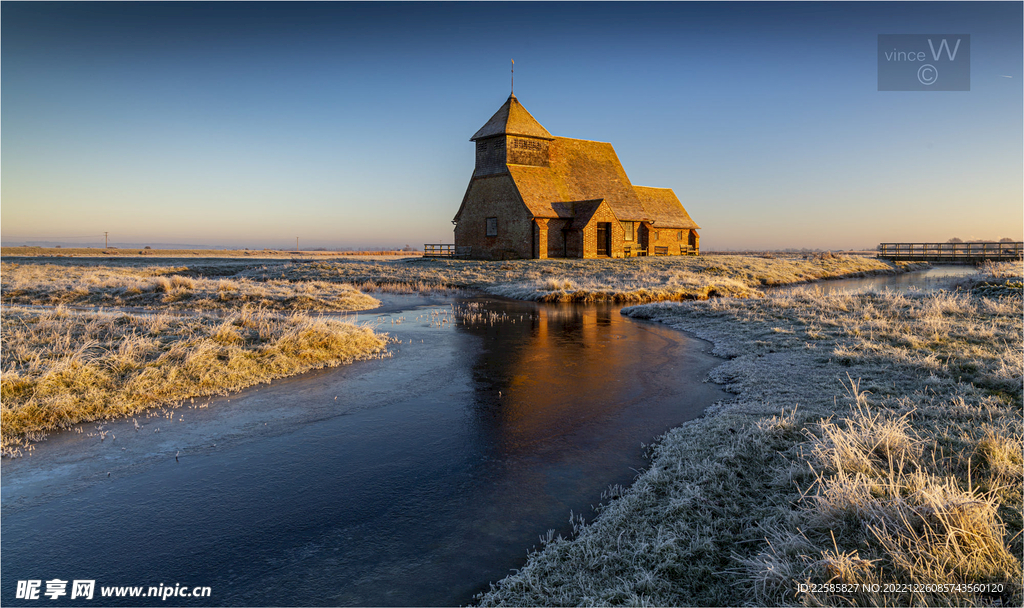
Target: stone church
[[533, 195]]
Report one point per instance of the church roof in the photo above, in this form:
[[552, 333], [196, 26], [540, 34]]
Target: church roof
[[512, 119], [578, 170], [664, 208], [584, 212]]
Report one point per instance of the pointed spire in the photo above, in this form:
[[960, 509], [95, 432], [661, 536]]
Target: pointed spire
[[512, 119]]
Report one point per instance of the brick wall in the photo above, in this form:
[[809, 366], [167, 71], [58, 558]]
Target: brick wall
[[589, 233], [670, 239], [556, 238], [494, 196], [574, 244]]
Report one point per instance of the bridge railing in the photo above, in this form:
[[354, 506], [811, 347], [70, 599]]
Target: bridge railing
[[951, 252]]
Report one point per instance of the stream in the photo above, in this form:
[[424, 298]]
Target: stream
[[413, 480]]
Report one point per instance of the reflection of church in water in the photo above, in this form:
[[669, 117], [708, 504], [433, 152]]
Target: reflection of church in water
[[563, 370]]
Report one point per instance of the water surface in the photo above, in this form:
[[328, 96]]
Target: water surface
[[413, 480], [923, 280]]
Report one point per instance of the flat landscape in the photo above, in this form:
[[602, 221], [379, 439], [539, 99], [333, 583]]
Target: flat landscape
[[873, 439]]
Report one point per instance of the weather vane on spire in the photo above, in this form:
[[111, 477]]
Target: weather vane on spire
[[513, 76]]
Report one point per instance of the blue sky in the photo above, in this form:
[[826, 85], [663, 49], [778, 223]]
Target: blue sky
[[347, 124]]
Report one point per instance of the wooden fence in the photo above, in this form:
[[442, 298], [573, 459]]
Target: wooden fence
[[439, 250]]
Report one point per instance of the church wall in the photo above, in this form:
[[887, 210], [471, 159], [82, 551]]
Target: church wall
[[494, 197], [669, 238], [665, 237], [574, 243], [556, 238], [589, 234]]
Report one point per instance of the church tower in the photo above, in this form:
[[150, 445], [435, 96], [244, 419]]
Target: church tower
[[511, 137]]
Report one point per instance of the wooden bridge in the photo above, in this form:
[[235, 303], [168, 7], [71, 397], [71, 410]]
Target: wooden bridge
[[951, 253]]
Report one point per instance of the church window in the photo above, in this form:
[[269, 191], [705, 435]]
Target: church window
[[492, 226]]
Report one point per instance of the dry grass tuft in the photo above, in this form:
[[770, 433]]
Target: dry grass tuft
[[900, 519], [62, 367], [999, 452]]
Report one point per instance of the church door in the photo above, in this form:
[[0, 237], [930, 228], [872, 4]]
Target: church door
[[644, 236], [604, 239]]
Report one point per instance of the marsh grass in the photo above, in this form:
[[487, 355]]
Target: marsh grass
[[337, 285], [994, 280], [169, 288], [63, 367], [563, 280], [874, 438]]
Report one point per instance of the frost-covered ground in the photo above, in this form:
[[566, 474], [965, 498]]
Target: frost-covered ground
[[63, 367], [168, 288], [874, 439], [562, 280], [336, 285]]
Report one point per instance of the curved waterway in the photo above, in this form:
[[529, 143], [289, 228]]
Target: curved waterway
[[930, 279], [412, 480]]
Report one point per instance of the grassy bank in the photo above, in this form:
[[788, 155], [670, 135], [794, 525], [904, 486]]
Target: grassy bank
[[168, 288], [337, 285], [874, 439], [561, 280], [61, 367]]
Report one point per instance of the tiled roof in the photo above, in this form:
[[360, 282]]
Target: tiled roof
[[664, 208], [578, 170], [585, 210], [512, 119]]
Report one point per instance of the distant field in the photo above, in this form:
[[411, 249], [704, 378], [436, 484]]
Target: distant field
[[192, 253]]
